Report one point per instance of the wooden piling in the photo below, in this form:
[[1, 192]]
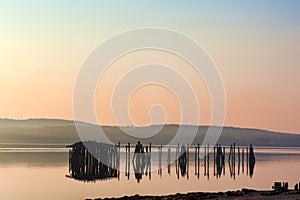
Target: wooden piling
[[243, 160], [239, 155], [234, 152], [234, 160], [178, 160], [224, 153], [87, 164], [149, 161], [187, 160], [205, 156], [215, 160], [247, 161], [198, 160], [195, 160], [128, 161], [207, 172], [126, 158], [169, 158], [239, 160], [223, 161], [160, 160]]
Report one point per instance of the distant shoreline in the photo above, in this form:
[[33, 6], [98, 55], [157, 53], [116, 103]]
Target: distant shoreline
[[34, 132], [239, 194], [17, 146], [83, 123]]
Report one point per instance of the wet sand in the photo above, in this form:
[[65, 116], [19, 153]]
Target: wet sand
[[235, 195]]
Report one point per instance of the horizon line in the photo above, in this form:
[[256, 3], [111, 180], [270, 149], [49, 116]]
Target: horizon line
[[144, 126]]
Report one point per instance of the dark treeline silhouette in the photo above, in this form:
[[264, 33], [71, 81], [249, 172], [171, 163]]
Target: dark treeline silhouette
[[59, 133]]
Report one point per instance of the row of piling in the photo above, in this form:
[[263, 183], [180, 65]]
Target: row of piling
[[85, 162]]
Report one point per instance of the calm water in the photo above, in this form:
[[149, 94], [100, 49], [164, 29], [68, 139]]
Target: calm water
[[42, 174]]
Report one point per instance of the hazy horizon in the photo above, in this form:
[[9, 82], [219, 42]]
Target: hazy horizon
[[145, 126]]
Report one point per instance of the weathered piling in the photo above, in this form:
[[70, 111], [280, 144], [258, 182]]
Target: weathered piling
[[178, 163], [195, 160], [198, 160], [251, 160], [207, 172], [243, 160], [224, 153], [234, 160], [239, 155], [126, 160], [215, 160], [169, 160], [187, 160], [149, 161], [296, 187], [205, 157], [90, 161], [219, 161], [160, 160], [183, 160], [281, 187], [128, 167], [239, 160], [247, 160], [118, 162], [70, 156]]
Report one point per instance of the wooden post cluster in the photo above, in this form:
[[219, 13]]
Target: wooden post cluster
[[90, 161], [219, 160]]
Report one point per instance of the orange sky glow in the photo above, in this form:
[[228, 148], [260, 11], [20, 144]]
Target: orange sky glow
[[256, 55]]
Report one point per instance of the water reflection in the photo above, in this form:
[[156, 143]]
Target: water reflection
[[48, 169], [86, 167], [219, 165], [250, 161], [183, 160], [141, 162]]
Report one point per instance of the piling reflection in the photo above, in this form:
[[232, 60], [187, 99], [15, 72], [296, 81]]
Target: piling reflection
[[141, 162], [88, 167], [183, 160], [251, 161], [219, 165]]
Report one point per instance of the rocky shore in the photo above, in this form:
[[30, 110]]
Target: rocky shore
[[240, 194]]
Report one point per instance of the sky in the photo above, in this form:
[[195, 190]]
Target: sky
[[255, 45]]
